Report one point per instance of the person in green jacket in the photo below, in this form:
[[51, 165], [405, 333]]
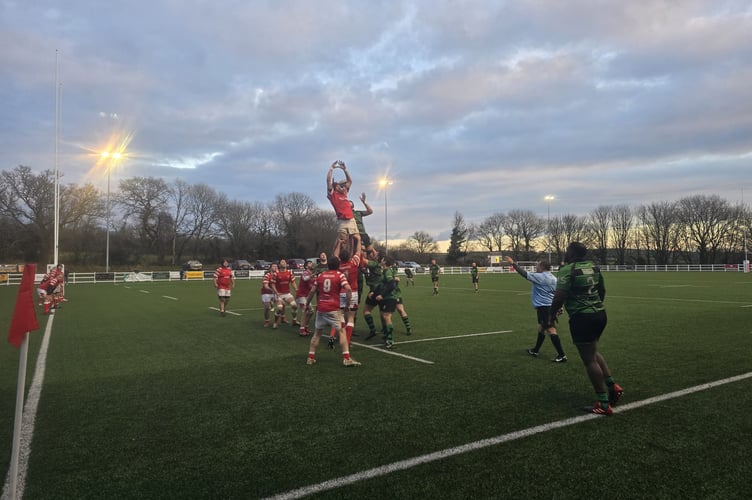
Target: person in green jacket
[[581, 290]]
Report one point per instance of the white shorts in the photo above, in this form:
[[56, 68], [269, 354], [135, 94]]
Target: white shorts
[[223, 292], [353, 300], [348, 226], [42, 292], [331, 319], [266, 298], [286, 297], [301, 301]]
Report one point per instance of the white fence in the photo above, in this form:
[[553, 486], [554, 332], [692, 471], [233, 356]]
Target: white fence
[[138, 276]]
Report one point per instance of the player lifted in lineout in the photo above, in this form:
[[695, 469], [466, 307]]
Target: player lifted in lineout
[[337, 193]]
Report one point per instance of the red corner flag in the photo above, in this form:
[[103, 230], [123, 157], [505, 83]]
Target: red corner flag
[[24, 316]]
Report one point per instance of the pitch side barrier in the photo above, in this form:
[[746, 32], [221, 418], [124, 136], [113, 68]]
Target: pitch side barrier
[[142, 276]]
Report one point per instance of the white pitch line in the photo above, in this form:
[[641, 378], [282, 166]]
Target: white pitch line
[[748, 305], [678, 300], [453, 337], [168, 297], [30, 415], [144, 291], [251, 309], [387, 351], [485, 443], [228, 312]]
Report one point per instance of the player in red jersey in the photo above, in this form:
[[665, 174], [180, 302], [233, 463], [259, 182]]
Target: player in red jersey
[[267, 293], [337, 195], [301, 296], [350, 267], [46, 289], [224, 281], [327, 289], [282, 284]]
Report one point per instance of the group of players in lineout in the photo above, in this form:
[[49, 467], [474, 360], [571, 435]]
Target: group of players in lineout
[[51, 290], [336, 280]]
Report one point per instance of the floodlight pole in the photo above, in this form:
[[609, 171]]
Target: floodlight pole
[[548, 199], [107, 246]]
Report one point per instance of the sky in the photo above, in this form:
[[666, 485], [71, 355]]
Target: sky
[[476, 107]]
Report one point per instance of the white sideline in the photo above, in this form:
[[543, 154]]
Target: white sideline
[[30, 415], [485, 443], [228, 312]]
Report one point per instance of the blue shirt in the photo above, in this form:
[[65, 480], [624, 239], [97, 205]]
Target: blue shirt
[[544, 286]]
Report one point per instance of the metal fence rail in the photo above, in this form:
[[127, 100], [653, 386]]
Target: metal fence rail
[[144, 276]]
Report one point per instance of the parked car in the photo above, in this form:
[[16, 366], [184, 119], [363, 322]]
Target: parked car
[[296, 263], [193, 265], [417, 268], [263, 265], [241, 265]]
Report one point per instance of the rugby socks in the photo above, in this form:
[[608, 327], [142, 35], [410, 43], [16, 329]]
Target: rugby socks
[[603, 398], [406, 321], [346, 355], [610, 382], [539, 341], [349, 329], [556, 341], [388, 329], [369, 321]]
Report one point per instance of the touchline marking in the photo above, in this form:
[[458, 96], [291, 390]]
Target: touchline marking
[[168, 297], [485, 443], [387, 351], [228, 312], [679, 300], [453, 337], [144, 291], [30, 415]]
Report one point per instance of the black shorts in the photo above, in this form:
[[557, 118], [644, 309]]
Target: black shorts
[[365, 240], [587, 328], [435, 279], [475, 279], [371, 300], [388, 305], [543, 313]]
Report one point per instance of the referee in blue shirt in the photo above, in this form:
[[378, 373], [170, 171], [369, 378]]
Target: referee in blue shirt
[[544, 286]]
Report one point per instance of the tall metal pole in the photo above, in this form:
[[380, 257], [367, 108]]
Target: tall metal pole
[[107, 261], [56, 209], [386, 219], [548, 231]]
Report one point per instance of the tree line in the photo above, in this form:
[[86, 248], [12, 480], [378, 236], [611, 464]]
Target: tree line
[[155, 222]]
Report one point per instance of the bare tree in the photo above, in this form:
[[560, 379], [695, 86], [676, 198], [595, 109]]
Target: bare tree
[[621, 226], [293, 212], [599, 223], [422, 243], [523, 227], [490, 232], [659, 229], [708, 220], [145, 200]]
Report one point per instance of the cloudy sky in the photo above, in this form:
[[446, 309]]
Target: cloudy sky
[[470, 106]]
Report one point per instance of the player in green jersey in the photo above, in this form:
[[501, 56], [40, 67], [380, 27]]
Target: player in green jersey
[[474, 275], [373, 274], [581, 290], [435, 271]]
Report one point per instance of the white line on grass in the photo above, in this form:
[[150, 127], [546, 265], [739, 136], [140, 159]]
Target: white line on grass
[[485, 443], [144, 291], [453, 337], [386, 351], [168, 297], [251, 309], [30, 415], [678, 300], [228, 312]]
